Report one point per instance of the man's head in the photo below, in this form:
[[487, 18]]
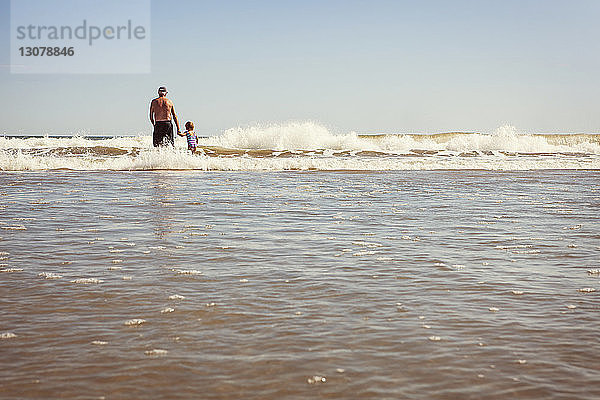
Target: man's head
[[162, 91]]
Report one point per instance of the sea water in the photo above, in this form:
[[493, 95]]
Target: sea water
[[308, 146], [441, 267]]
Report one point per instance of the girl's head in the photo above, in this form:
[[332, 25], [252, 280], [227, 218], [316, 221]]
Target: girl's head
[[189, 126]]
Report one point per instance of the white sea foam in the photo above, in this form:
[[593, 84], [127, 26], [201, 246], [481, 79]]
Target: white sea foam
[[593, 271], [14, 228], [289, 136], [87, 281], [188, 272], [316, 379], [367, 244], [156, 352], [363, 253], [134, 322], [586, 290], [307, 145], [13, 269], [49, 275]]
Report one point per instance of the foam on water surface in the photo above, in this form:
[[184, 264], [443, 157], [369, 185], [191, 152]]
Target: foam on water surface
[[87, 281], [13, 269], [50, 275], [134, 322], [188, 272], [309, 146], [156, 352]]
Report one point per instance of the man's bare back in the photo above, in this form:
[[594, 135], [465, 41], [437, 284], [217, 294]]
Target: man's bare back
[[161, 109]]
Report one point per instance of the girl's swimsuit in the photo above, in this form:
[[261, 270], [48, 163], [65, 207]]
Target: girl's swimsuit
[[191, 139]]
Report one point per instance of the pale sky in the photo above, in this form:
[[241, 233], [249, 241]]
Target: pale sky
[[363, 66]]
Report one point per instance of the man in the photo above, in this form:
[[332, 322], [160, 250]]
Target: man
[[161, 110]]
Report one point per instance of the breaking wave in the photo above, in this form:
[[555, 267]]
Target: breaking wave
[[308, 146]]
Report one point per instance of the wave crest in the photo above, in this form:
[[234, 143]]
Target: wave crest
[[307, 145], [287, 136]]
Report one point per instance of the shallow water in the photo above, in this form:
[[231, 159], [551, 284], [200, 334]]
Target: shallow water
[[269, 285]]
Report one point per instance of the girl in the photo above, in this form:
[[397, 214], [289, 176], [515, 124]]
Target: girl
[[192, 139]]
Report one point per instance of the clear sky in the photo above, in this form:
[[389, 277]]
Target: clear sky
[[364, 66]]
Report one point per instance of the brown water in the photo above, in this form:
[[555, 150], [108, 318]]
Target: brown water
[[296, 285]]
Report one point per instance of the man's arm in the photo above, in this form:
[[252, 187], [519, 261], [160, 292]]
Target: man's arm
[[152, 112], [175, 119]]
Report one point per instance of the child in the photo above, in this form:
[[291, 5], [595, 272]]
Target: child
[[192, 139]]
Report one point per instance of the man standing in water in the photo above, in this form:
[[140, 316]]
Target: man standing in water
[[161, 110]]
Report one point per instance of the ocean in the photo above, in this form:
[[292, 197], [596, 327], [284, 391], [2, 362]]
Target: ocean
[[288, 262], [307, 146]]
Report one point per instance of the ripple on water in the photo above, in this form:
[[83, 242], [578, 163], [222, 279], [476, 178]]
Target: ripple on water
[[134, 322], [9, 270], [370, 245], [156, 352], [87, 281], [586, 290], [49, 275], [593, 271], [14, 228], [363, 253], [187, 272], [270, 303]]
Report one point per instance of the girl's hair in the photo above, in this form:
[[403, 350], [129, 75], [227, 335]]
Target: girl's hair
[[189, 125]]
